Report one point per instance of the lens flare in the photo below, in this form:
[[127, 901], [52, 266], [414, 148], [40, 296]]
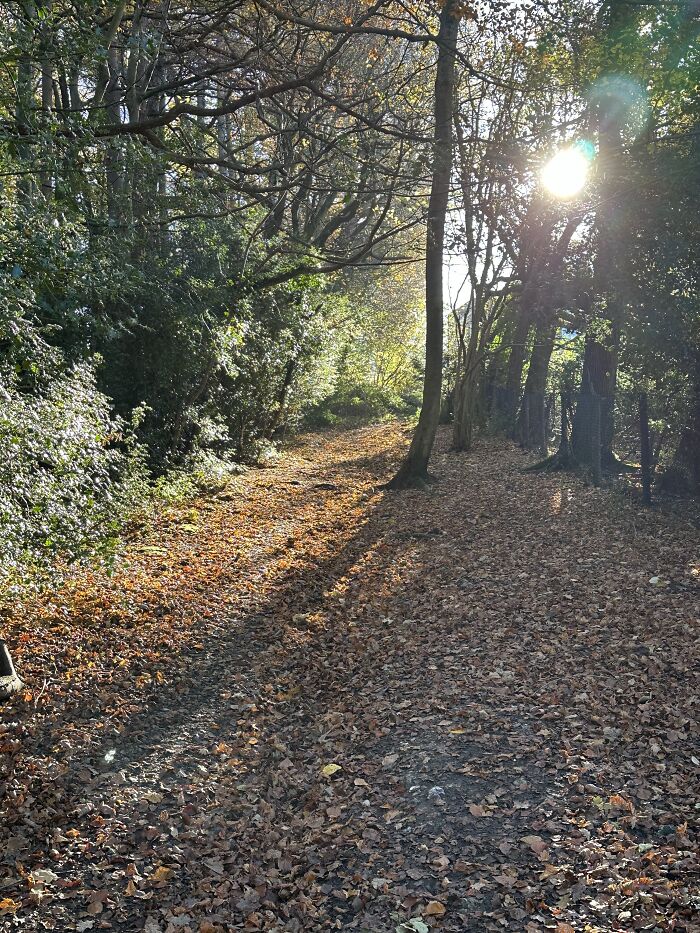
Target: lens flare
[[621, 102], [566, 173]]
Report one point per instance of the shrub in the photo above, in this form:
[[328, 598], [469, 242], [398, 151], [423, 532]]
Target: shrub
[[360, 403], [68, 470]]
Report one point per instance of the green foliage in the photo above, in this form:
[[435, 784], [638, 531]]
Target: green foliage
[[374, 367], [130, 372], [68, 474], [361, 403]]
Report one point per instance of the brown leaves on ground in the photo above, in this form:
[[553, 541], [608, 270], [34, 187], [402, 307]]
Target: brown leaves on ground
[[306, 704]]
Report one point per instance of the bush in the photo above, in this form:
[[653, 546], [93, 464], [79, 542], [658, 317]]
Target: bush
[[68, 470], [360, 403]]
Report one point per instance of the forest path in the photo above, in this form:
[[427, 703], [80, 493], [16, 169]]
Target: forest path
[[309, 704]]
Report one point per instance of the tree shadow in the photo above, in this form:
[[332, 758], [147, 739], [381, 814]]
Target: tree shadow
[[227, 663]]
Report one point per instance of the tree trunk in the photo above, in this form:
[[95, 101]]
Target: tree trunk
[[45, 175], [9, 681], [610, 281], [596, 439], [563, 458], [533, 403], [683, 476], [279, 412], [113, 150], [465, 411], [597, 388], [25, 105], [509, 395], [414, 469], [645, 448]]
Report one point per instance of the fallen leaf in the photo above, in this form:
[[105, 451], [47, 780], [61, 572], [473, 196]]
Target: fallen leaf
[[44, 875], [536, 843], [413, 926], [330, 770]]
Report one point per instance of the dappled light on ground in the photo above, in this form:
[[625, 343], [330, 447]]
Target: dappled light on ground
[[332, 707]]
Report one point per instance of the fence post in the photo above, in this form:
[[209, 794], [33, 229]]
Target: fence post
[[525, 439], [595, 439], [543, 438], [645, 449], [564, 429]]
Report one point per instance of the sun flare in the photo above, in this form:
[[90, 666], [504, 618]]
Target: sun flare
[[566, 173]]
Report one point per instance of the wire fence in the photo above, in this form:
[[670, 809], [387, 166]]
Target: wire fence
[[583, 426]]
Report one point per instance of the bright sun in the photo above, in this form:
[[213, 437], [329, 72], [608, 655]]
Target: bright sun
[[566, 173]]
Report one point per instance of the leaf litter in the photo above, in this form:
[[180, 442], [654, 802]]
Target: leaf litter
[[336, 707]]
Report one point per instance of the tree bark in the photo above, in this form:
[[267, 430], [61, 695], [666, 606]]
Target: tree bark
[[597, 388], [113, 151], [45, 175], [414, 469], [279, 412], [516, 364], [563, 459], [645, 448], [683, 476], [602, 344], [534, 438], [466, 401], [596, 440], [23, 116]]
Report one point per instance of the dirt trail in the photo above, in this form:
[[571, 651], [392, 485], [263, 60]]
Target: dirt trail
[[310, 704]]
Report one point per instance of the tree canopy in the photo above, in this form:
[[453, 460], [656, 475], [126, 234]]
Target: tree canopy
[[215, 222]]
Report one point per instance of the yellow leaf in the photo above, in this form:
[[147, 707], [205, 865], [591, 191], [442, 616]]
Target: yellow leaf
[[161, 873], [458, 731], [435, 909], [8, 906], [330, 770]]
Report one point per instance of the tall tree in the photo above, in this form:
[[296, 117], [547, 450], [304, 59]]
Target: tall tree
[[596, 400], [414, 468]]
